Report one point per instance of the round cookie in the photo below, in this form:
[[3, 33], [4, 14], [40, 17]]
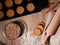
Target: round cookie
[[40, 27], [20, 10], [0, 5], [1, 14], [10, 13], [36, 32], [18, 1], [30, 7], [12, 30], [42, 23], [9, 3]]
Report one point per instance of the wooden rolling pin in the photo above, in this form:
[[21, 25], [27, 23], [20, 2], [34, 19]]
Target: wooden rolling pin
[[52, 6], [53, 26]]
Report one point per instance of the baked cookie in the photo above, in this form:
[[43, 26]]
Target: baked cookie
[[12, 30], [10, 13], [42, 23], [0, 5], [30, 7], [36, 32], [18, 1], [1, 14], [40, 27], [20, 10], [9, 3]]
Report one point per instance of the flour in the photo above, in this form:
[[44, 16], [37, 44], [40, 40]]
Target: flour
[[29, 39]]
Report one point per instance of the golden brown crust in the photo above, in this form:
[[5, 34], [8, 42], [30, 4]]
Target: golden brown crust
[[36, 32], [40, 27], [9, 3], [18, 1], [20, 10], [42, 23], [10, 13], [30, 7]]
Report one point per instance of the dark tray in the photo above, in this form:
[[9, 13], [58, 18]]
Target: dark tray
[[39, 5]]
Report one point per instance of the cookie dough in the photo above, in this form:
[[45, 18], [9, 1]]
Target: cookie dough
[[9, 3], [10, 13], [30, 7], [20, 10]]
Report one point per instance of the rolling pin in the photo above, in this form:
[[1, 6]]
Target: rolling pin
[[47, 22], [53, 26], [52, 6]]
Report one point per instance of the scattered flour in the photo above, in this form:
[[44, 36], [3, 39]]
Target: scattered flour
[[29, 39]]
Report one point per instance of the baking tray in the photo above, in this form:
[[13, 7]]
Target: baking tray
[[39, 5]]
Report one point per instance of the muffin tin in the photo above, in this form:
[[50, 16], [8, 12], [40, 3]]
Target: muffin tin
[[20, 8]]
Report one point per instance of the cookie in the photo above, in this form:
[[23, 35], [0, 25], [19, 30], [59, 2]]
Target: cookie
[[18, 1], [30, 7], [10, 13], [20, 10], [9, 3], [12, 30], [0, 5], [40, 27], [42, 23], [1, 14], [36, 32]]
